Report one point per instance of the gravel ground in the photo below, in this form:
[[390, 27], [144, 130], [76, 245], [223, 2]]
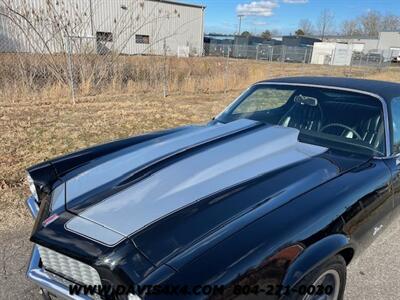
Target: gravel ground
[[374, 275]]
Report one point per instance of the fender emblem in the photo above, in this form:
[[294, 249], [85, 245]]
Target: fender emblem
[[376, 229], [50, 220]]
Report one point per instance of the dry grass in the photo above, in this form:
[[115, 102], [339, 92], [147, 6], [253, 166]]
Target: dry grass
[[34, 129], [35, 77]]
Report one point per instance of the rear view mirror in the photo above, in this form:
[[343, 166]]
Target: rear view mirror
[[306, 100]]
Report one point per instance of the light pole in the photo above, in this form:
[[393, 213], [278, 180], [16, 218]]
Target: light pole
[[240, 23]]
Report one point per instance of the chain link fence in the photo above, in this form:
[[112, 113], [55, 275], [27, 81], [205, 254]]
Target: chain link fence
[[278, 53], [374, 58], [377, 59]]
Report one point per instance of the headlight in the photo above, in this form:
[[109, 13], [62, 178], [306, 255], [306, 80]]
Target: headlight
[[32, 187]]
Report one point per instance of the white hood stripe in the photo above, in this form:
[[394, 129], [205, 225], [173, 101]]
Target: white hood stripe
[[94, 231], [158, 148], [202, 174]]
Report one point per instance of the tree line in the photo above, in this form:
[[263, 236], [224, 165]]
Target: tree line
[[368, 24]]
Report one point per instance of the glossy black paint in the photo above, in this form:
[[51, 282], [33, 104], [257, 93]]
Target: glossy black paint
[[116, 265], [263, 194], [263, 230], [393, 165], [294, 223], [270, 230]]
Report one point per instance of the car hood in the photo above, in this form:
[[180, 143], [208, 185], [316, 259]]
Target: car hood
[[183, 186]]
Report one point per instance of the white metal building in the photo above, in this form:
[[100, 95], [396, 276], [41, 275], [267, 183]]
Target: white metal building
[[331, 53], [124, 26], [389, 43], [368, 43], [386, 43]]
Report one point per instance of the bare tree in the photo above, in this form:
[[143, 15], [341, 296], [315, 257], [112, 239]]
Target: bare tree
[[371, 23], [325, 22], [299, 32], [306, 26], [351, 28], [55, 28], [246, 34], [391, 22], [266, 35]]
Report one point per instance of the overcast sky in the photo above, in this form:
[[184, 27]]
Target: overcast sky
[[284, 15]]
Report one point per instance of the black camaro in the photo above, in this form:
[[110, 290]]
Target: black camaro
[[272, 199]]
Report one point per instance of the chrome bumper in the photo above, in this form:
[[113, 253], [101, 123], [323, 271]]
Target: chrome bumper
[[39, 276]]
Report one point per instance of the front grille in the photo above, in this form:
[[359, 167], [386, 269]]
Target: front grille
[[68, 268]]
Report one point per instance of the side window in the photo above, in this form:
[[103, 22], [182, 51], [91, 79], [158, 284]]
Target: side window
[[263, 99], [104, 36], [396, 124], [142, 39]]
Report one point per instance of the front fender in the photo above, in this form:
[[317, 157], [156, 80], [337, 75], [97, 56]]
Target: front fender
[[313, 256]]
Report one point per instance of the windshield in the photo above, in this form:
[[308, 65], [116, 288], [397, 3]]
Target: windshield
[[326, 117]]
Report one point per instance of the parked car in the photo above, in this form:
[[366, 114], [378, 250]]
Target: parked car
[[357, 57], [369, 58], [272, 198], [374, 57], [396, 59]]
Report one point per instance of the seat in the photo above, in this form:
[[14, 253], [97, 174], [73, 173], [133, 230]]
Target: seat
[[302, 116], [371, 131]]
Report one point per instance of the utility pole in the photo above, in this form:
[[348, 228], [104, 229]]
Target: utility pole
[[165, 85], [240, 23], [91, 17], [70, 70]]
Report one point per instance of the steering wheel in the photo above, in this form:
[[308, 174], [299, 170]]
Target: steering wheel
[[342, 126]]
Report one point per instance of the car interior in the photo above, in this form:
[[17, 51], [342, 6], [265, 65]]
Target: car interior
[[347, 116]]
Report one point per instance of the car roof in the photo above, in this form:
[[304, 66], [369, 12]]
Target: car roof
[[384, 89]]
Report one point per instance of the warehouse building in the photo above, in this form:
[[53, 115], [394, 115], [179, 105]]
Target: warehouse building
[[332, 53], [368, 43], [344, 51], [389, 43], [150, 27]]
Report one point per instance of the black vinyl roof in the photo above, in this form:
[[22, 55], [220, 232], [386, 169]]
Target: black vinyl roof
[[384, 89]]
